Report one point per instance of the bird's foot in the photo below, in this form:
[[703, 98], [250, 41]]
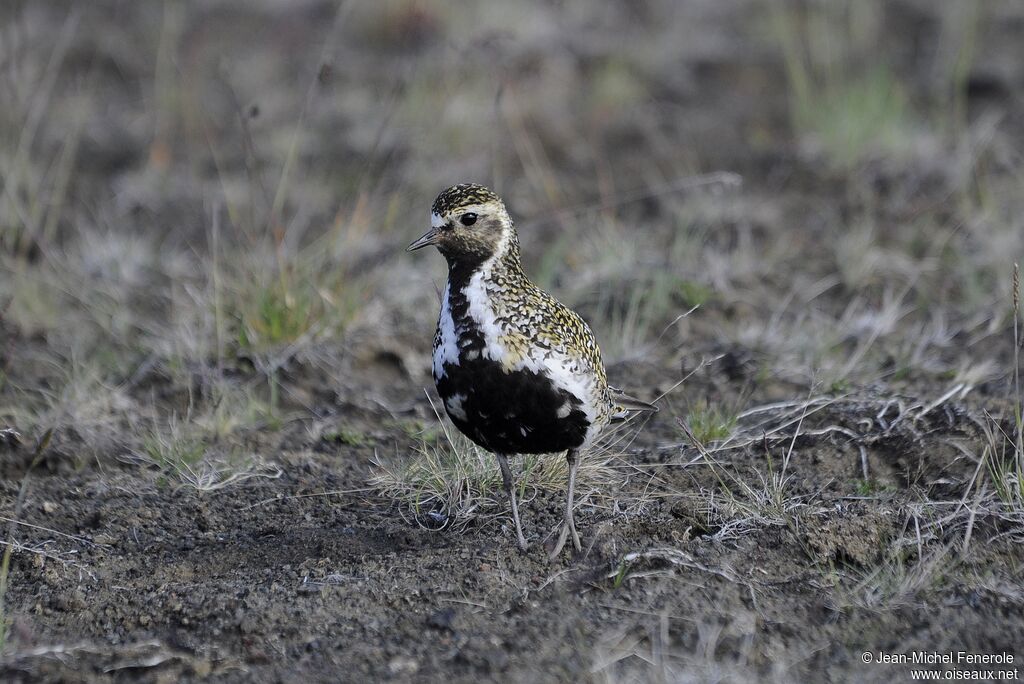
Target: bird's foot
[[575, 538], [520, 537], [559, 543], [563, 536]]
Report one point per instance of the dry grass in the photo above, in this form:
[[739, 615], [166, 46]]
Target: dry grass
[[201, 234], [897, 582], [846, 102], [10, 544], [710, 424], [278, 263], [740, 504], [664, 648], [452, 482], [188, 457]]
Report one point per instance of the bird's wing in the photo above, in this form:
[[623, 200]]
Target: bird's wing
[[565, 331], [574, 337]]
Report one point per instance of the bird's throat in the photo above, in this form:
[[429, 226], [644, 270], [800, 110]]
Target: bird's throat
[[504, 263]]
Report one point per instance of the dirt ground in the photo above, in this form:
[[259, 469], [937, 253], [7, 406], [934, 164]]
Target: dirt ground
[[212, 341]]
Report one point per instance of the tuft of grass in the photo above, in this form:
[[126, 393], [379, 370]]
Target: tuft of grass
[[450, 483], [843, 97], [37, 180], [348, 437], [417, 430], [871, 487], [173, 448], [31, 304], [278, 314], [738, 505], [711, 423], [863, 115], [633, 321], [1017, 463], [1003, 451], [743, 504], [1003, 447], [76, 398], [896, 582], [1005, 464], [306, 296], [183, 454], [635, 286], [232, 408], [693, 294]]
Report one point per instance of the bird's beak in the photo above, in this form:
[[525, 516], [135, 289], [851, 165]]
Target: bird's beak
[[428, 238]]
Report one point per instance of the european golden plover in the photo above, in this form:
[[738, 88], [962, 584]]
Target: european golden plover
[[517, 371]]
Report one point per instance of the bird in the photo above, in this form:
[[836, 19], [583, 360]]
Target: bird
[[517, 371]]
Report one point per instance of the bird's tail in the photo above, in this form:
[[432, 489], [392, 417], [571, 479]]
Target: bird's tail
[[625, 405]]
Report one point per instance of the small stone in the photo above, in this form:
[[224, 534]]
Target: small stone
[[202, 668], [495, 660], [248, 625], [49, 507], [442, 619], [10, 438], [403, 665]]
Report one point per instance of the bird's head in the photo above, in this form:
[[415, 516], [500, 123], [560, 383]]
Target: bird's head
[[468, 224]]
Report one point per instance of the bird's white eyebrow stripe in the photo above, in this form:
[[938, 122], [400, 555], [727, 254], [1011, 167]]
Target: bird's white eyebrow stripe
[[436, 221]]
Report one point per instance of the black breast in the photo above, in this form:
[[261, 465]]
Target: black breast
[[517, 412], [520, 412]]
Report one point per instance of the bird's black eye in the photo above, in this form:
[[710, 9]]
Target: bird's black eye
[[467, 219]]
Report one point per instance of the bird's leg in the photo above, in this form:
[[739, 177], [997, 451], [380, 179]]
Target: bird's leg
[[506, 480], [569, 525], [572, 457]]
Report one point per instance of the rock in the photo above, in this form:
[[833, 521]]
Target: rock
[[403, 665], [442, 619]]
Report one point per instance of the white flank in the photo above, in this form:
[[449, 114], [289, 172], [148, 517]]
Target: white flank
[[447, 352]]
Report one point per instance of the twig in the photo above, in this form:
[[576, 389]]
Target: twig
[[970, 520], [958, 387], [80, 540]]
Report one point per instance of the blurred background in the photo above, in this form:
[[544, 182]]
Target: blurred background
[[192, 186], [796, 208]]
